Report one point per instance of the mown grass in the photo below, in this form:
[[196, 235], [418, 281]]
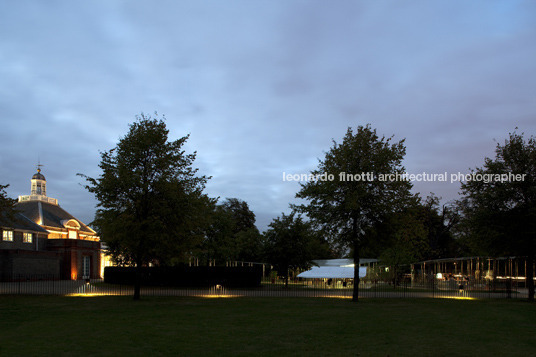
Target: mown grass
[[112, 326]]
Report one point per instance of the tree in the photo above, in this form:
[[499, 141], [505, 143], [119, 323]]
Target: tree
[[218, 244], [232, 234], [246, 237], [404, 239], [432, 232], [289, 244], [499, 204], [6, 203], [420, 231], [248, 245], [353, 191], [151, 204], [243, 217], [7, 209], [439, 224]]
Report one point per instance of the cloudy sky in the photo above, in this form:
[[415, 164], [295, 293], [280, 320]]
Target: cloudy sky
[[262, 86]]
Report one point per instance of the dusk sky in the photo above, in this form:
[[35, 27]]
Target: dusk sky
[[262, 87]]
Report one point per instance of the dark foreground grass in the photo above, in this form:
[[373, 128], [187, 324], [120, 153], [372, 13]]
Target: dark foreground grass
[[113, 326]]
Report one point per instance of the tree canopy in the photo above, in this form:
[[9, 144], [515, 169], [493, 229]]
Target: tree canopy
[[231, 234], [246, 238], [440, 224], [7, 210], [151, 205], [499, 204], [356, 192], [290, 244]]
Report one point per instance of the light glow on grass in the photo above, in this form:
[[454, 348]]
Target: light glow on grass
[[457, 297], [206, 296], [337, 297], [89, 295], [215, 296]]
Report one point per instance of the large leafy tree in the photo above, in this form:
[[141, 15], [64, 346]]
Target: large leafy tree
[[217, 247], [246, 238], [428, 229], [242, 215], [422, 230], [440, 223], [232, 234], [499, 204], [290, 244], [151, 204], [403, 238], [350, 207]]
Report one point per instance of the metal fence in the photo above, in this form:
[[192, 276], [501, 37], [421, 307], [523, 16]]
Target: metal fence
[[328, 288]]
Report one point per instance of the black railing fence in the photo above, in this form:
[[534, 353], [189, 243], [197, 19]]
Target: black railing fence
[[329, 288]]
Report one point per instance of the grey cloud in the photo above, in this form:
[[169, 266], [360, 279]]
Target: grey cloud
[[262, 87]]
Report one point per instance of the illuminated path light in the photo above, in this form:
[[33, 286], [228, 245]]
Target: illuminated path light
[[217, 291]]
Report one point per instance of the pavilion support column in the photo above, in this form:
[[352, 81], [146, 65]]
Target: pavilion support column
[[471, 271], [423, 267]]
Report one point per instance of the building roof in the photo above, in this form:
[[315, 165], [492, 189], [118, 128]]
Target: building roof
[[20, 222], [335, 269], [49, 215], [38, 176], [341, 262], [332, 272]]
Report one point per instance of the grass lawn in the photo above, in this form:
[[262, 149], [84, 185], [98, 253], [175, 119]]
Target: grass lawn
[[111, 326]]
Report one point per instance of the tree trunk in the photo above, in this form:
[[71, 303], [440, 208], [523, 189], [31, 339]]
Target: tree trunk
[[137, 281], [355, 240], [355, 295], [530, 276]]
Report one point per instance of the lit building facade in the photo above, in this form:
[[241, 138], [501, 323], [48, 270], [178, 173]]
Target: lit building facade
[[45, 240]]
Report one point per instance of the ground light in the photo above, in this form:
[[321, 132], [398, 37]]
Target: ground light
[[217, 291], [87, 290]]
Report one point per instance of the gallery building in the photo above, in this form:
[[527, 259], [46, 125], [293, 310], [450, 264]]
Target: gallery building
[[42, 240]]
